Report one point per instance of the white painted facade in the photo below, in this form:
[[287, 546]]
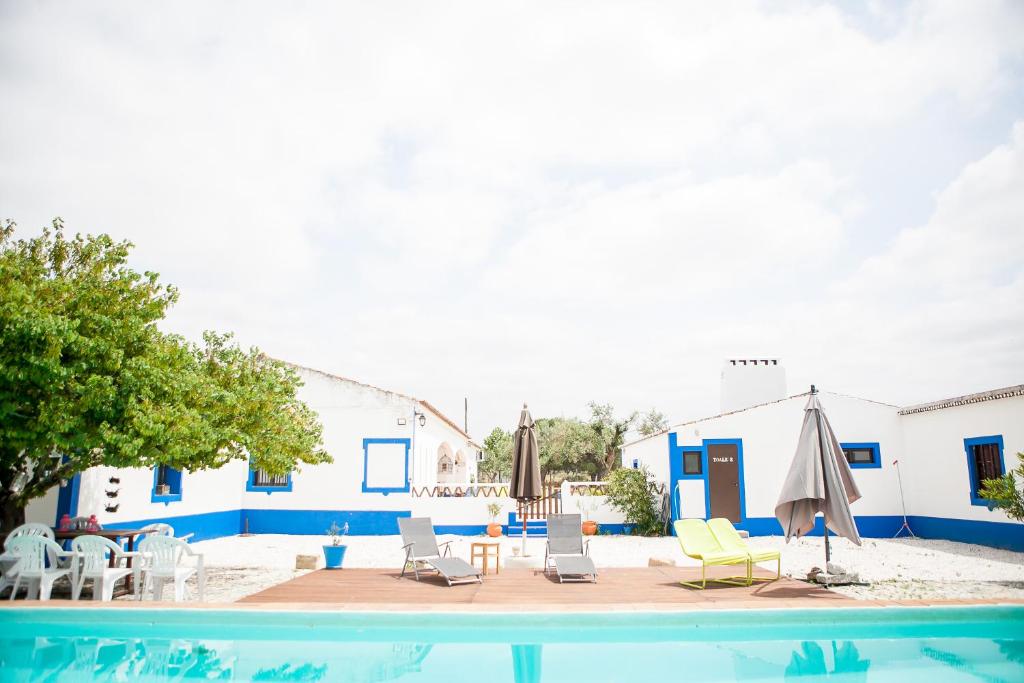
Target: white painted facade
[[384, 446], [928, 441]]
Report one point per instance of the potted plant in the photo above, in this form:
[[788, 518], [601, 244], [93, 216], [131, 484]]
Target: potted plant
[[334, 553], [494, 529], [586, 511]]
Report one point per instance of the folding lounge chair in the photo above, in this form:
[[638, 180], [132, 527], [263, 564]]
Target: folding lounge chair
[[565, 547], [731, 540], [421, 546], [699, 543]]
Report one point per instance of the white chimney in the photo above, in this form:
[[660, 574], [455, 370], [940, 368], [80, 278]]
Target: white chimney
[[750, 381]]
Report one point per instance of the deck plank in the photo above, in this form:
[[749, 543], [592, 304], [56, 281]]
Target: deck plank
[[629, 588]]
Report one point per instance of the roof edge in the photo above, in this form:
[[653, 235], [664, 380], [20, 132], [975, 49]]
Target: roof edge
[[967, 399], [426, 404]]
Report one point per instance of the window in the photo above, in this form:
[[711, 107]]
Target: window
[[984, 461], [259, 480], [166, 484], [862, 455], [386, 465], [692, 462], [444, 465]]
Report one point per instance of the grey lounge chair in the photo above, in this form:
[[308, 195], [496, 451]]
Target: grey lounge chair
[[421, 546], [566, 549]]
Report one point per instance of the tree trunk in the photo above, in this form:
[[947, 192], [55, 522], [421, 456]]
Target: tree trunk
[[12, 514]]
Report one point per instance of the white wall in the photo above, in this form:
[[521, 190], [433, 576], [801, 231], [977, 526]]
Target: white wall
[[769, 434], [936, 479]]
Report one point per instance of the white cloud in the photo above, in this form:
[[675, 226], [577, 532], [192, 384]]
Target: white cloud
[[557, 203]]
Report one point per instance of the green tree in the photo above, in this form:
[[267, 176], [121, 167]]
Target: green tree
[[568, 447], [1003, 493], [633, 493], [497, 462], [652, 422], [612, 433], [87, 378]]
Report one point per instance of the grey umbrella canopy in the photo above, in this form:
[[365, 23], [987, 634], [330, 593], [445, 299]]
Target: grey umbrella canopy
[[525, 486], [819, 480]]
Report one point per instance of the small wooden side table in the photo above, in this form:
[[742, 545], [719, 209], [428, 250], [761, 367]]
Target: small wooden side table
[[486, 551]]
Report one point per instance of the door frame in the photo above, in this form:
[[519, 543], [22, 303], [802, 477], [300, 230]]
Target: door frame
[[675, 464]]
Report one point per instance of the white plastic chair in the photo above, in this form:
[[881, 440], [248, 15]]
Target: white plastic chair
[[92, 561], [161, 529], [30, 553], [31, 529], [7, 560], [162, 555]]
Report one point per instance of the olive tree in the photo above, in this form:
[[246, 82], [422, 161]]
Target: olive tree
[[87, 378]]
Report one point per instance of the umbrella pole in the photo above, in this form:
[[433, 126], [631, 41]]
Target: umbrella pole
[[821, 453]]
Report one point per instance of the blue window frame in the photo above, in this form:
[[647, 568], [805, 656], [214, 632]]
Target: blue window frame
[[862, 454], [404, 486], [260, 481], [166, 476], [984, 461]]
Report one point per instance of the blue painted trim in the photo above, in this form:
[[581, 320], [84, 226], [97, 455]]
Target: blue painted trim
[[1008, 535], [251, 486], [462, 529], [316, 522], [205, 525], [676, 473], [971, 473], [171, 497], [366, 458], [67, 498], [739, 465], [876, 458]]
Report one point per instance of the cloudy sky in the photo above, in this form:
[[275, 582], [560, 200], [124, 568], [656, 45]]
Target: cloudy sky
[[556, 204]]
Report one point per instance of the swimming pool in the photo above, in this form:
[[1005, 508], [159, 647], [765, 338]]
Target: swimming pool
[[853, 644]]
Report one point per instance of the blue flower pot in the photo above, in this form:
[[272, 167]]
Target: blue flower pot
[[334, 555]]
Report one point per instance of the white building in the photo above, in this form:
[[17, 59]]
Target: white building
[[390, 451], [734, 464]]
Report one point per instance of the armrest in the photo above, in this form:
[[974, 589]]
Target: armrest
[[186, 536]]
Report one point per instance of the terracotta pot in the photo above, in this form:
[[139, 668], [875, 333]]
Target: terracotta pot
[[494, 530], [589, 528]]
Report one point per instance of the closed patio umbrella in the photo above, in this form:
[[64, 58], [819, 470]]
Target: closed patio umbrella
[[819, 480], [525, 486]]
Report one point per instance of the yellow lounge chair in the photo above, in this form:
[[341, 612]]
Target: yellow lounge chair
[[731, 541], [699, 543]]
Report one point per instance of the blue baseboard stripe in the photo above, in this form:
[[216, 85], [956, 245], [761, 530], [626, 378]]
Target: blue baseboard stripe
[[316, 522], [1008, 535], [204, 526]]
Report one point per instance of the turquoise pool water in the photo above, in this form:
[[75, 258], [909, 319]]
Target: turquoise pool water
[[865, 644]]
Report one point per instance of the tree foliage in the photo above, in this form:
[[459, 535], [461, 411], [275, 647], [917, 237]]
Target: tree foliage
[[569, 447], [612, 433], [87, 378], [634, 494], [1003, 493], [652, 422], [497, 462]]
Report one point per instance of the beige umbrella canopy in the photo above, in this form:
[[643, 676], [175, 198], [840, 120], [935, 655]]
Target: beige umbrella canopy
[[525, 486], [819, 480]]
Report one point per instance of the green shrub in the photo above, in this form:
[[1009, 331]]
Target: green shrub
[[632, 493], [1003, 493]]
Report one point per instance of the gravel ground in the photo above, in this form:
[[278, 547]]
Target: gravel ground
[[897, 569]]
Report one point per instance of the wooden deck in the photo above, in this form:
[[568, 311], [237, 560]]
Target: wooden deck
[[647, 588]]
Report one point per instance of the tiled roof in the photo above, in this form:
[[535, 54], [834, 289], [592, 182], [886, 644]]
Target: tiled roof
[[426, 405], [981, 396]]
